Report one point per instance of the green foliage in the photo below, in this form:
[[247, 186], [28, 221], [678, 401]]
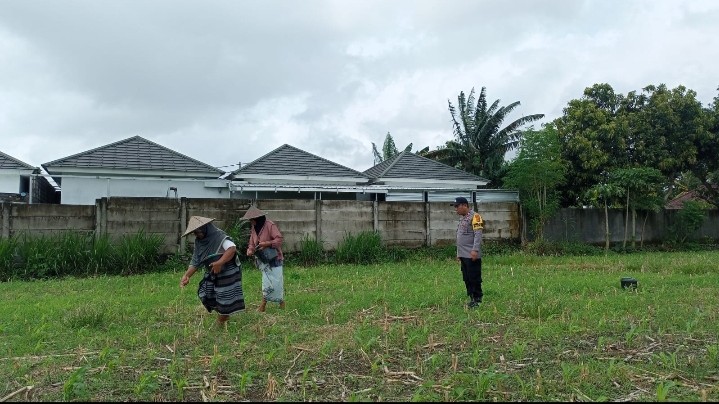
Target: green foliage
[[361, 248], [311, 251], [663, 128], [75, 387], [138, 253], [8, 246], [553, 248], [77, 254], [689, 219], [239, 231], [389, 150], [480, 142], [536, 173]]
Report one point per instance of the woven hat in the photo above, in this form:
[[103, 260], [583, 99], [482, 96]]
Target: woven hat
[[195, 223], [253, 213]]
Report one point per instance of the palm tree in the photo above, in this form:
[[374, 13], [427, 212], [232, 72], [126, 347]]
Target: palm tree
[[480, 143], [389, 150]]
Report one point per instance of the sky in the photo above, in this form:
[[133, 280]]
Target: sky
[[226, 82]]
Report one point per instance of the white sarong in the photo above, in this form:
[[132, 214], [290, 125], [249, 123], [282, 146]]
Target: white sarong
[[273, 283]]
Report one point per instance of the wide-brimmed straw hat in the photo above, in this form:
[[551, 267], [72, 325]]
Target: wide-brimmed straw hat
[[253, 213], [195, 223]]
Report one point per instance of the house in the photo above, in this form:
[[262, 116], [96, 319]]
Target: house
[[21, 182], [411, 177], [290, 173], [678, 201], [134, 167]]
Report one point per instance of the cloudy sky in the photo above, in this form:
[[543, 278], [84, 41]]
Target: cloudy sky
[[228, 81]]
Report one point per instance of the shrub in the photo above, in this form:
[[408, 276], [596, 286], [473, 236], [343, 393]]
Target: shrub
[[689, 219], [7, 258], [553, 248], [138, 253], [361, 248], [311, 251]]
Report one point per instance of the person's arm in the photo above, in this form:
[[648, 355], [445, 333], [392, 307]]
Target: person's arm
[[226, 257], [477, 244], [252, 243], [187, 275], [275, 240]]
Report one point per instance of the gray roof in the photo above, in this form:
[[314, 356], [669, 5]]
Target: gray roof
[[287, 160], [135, 153], [413, 166], [9, 162]]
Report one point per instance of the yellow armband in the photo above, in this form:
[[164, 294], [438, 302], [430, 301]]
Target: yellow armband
[[477, 222]]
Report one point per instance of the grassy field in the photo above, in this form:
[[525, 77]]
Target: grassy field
[[550, 328]]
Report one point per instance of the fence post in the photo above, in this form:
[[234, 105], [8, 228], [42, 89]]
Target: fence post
[[100, 217], [318, 219], [427, 228], [375, 215], [183, 221], [5, 207]]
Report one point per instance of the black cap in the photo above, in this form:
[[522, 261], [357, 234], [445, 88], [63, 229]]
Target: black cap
[[459, 200]]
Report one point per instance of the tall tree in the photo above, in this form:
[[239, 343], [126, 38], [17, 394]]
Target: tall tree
[[389, 150], [592, 141], [605, 194], [480, 142], [536, 172], [643, 190], [658, 127]]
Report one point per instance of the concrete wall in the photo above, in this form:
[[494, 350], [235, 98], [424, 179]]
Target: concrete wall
[[410, 224], [588, 226]]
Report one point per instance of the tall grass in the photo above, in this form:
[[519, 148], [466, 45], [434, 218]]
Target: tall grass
[[77, 254], [360, 248], [138, 253], [311, 251]]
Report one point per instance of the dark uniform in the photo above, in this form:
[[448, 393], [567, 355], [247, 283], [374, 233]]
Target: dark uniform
[[469, 238]]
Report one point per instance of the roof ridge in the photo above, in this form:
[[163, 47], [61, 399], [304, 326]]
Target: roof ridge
[[18, 161], [392, 163], [129, 140], [288, 146]]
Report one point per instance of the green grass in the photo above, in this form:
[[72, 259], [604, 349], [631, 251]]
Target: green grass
[[550, 329]]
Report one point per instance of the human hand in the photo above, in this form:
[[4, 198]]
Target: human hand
[[184, 281], [216, 267], [474, 255]]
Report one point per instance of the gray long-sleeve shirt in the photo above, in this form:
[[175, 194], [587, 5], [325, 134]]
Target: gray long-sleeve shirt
[[469, 237]]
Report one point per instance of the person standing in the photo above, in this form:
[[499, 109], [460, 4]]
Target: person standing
[[469, 249], [221, 287], [266, 245]]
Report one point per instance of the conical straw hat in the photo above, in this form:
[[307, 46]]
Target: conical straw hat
[[195, 223], [253, 213]]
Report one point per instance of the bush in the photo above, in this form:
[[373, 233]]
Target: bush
[[553, 248], [138, 253], [311, 251], [8, 246], [361, 248]]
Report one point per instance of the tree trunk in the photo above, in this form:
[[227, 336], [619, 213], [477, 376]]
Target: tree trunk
[[644, 226], [626, 222], [634, 228]]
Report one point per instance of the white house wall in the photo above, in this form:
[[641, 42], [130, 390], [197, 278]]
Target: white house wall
[[10, 183], [84, 191]]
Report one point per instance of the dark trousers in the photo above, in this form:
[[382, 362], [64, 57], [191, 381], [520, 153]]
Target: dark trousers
[[472, 276]]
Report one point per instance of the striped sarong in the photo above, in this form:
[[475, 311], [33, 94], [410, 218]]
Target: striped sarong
[[222, 292]]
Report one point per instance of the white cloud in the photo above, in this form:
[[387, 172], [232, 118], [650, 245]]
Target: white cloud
[[229, 81]]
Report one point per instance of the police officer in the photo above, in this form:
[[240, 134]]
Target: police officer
[[469, 249]]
